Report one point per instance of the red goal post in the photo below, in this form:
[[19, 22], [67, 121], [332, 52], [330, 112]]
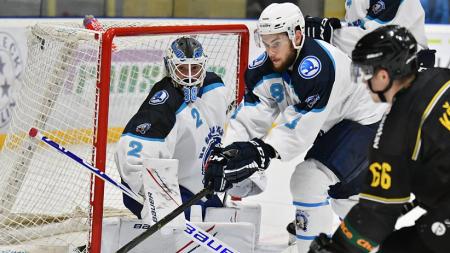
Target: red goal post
[[80, 90], [101, 141]]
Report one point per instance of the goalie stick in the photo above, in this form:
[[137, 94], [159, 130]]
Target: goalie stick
[[197, 234]]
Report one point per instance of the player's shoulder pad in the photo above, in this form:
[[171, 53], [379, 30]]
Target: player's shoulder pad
[[383, 11], [212, 81], [157, 114], [314, 72], [257, 69], [430, 80]]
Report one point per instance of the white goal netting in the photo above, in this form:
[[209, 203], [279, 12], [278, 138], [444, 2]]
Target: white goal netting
[[44, 196]]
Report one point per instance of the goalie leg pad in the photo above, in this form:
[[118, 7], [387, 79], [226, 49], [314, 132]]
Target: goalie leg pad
[[120, 231], [236, 212]]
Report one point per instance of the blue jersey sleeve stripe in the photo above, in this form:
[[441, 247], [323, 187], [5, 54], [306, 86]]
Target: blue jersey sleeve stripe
[[182, 106], [144, 138], [377, 20], [267, 77], [251, 104], [234, 115], [297, 203], [309, 238], [211, 87], [328, 53]]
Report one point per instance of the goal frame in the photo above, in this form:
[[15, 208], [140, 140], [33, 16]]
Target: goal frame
[[102, 98]]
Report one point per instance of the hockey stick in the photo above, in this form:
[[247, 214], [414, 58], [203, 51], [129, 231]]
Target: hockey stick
[[100, 174], [195, 233]]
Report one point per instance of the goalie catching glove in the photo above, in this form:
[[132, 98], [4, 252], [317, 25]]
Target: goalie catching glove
[[237, 162], [321, 28]]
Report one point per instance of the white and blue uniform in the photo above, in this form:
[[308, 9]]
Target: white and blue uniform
[[166, 127], [363, 16], [315, 95]]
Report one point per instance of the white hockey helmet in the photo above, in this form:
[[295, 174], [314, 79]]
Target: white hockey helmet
[[279, 18], [186, 52]]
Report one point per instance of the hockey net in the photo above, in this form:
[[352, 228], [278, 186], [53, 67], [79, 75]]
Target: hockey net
[[80, 88]]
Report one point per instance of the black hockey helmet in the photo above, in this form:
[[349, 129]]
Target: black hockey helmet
[[390, 47]]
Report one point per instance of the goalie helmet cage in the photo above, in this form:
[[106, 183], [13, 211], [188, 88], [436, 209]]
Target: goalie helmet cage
[[80, 88]]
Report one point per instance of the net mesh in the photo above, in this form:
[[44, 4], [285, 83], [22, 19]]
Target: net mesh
[[45, 196]]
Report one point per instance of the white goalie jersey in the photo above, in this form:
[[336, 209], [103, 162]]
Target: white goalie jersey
[[166, 127]]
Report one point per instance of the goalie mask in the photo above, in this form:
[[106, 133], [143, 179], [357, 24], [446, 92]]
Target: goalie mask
[[186, 64]]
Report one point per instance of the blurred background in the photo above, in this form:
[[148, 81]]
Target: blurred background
[[437, 11]]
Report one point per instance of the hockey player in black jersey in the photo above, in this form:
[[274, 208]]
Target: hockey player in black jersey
[[180, 122], [410, 153]]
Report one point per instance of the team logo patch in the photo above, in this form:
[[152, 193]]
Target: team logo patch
[[212, 140], [309, 67], [312, 100], [258, 61], [159, 98], [378, 7], [301, 220], [143, 128]]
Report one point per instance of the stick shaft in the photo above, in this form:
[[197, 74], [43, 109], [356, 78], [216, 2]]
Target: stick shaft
[[88, 166]]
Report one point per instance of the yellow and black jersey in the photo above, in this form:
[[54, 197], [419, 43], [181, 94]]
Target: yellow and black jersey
[[410, 154], [411, 150]]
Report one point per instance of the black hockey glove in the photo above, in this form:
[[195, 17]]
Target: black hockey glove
[[248, 158], [321, 28], [236, 162], [325, 244], [214, 170], [320, 244]]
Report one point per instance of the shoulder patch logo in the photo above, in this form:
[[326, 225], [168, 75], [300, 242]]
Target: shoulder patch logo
[[143, 128], [258, 61], [160, 97], [312, 100], [309, 67], [378, 7]]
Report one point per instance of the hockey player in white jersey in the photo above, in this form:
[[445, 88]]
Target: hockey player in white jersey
[[364, 16], [182, 118], [303, 86]]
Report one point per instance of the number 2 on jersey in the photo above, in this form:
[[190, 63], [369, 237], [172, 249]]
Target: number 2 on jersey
[[136, 148], [196, 115]]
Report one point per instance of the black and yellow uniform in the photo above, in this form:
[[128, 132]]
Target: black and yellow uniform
[[410, 154]]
